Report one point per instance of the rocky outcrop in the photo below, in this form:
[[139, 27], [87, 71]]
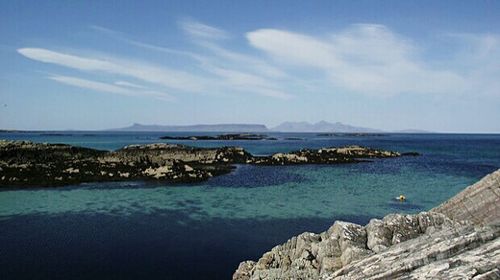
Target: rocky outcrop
[[429, 245], [479, 203], [310, 255], [325, 156], [24, 163], [458, 253], [224, 137], [162, 154], [353, 134]]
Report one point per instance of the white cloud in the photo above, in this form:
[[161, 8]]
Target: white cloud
[[110, 88], [365, 58], [128, 84], [479, 60], [247, 82], [220, 54], [200, 30], [124, 38], [234, 71], [81, 63], [228, 81], [173, 79], [228, 58], [294, 48]]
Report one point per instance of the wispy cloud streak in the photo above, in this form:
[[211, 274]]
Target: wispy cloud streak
[[109, 88], [228, 66], [197, 29], [169, 78]]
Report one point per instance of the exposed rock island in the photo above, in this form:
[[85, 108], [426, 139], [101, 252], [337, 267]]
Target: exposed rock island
[[225, 137], [456, 240], [235, 127], [24, 163], [353, 134]]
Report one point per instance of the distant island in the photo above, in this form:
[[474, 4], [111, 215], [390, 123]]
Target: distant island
[[293, 127], [353, 134], [322, 126], [225, 137], [197, 128], [319, 127]]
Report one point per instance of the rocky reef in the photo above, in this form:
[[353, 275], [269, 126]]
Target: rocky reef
[[225, 137], [351, 134], [456, 240], [24, 163], [325, 156]]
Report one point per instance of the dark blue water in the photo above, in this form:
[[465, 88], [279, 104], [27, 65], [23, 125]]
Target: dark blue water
[[131, 230]]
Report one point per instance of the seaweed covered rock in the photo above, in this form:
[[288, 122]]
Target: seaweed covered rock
[[223, 137], [326, 156], [24, 163]]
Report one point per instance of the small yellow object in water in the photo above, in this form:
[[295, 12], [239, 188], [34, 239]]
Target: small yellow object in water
[[401, 197]]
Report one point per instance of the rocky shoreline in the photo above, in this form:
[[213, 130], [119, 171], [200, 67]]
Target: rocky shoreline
[[24, 163], [457, 240]]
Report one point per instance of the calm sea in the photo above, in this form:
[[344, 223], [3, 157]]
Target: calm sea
[[137, 230]]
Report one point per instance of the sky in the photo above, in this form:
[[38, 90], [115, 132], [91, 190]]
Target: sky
[[391, 65]]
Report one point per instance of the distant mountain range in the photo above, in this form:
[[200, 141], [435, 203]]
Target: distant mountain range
[[321, 126], [197, 127]]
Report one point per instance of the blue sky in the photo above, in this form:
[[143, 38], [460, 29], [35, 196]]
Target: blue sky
[[391, 65]]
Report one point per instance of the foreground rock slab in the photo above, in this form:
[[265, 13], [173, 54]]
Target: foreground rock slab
[[479, 203], [24, 163], [444, 243], [457, 253]]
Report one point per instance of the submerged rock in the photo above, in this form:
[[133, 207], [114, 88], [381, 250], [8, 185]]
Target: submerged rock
[[445, 243]]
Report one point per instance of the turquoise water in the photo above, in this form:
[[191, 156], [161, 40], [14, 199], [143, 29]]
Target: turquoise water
[[323, 192], [127, 230]]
